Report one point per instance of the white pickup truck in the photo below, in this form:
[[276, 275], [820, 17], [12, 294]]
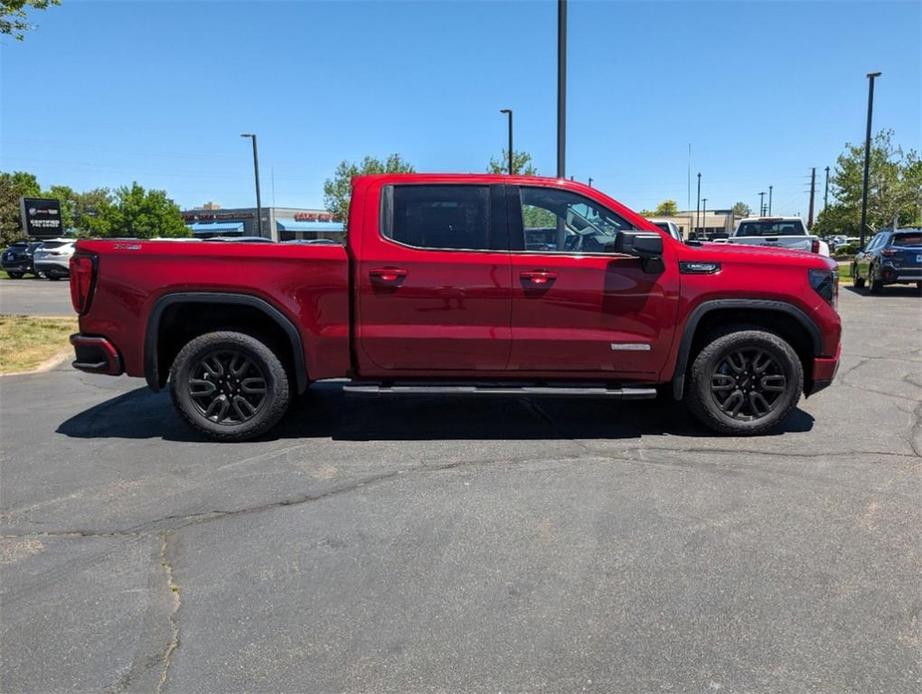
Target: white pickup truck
[[779, 232]]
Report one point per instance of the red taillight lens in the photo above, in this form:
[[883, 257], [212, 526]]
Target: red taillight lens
[[889, 252], [815, 246], [82, 277]]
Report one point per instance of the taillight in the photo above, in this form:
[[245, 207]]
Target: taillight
[[815, 246], [82, 281], [889, 252]]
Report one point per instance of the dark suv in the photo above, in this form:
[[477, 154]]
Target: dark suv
[[17, 259], [893, 256]]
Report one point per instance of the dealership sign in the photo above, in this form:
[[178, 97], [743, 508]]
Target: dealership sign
[[41, 217]]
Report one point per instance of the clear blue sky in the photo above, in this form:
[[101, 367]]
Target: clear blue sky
[[102, 93]]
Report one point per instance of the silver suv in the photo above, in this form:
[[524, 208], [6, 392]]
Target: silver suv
[[52, 258]]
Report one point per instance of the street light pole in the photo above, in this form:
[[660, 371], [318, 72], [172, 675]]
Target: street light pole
[[561, 88], [867, 157], [590, 181], [826, 192], [762, 204], [508, 112], [770, 200], [704, 215], [698, 208], [259, 206]]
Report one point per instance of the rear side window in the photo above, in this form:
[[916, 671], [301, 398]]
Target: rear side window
[[787, 227], [911, 239], [438, 216]]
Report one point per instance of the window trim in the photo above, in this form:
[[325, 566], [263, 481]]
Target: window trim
[[497, 229], [517, 225]]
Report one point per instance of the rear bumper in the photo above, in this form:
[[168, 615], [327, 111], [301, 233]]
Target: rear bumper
[[95, 355], [894, 275], [824, 371], [53, 267]]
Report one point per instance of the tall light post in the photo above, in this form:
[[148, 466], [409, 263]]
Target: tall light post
[[561, 88], [762, 204], [867, 156], [704, 215], [826, 192], [770, 200], [259, 206], [508, 112]]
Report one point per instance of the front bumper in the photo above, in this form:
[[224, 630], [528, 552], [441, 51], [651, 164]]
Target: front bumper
[[95, 355], [17, 265], [824, 371]]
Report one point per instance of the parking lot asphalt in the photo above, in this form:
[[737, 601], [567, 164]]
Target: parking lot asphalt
[[35, 297], [429, 544]]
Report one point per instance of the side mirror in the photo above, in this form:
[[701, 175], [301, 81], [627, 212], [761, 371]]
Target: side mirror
[[643, 244]]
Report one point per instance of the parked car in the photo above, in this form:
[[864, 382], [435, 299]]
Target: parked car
[[309, 242], [16, 260], [893, 256], [778, 232], [240, 239], [52, 258], [669, 227], [437, 292]]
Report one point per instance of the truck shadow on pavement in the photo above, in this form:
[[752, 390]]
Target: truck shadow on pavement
[[326, 412], [895, 291]]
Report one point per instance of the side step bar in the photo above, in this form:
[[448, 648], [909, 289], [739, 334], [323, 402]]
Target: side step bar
[[504, 389]]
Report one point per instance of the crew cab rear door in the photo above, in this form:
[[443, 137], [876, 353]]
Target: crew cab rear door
[[433, 281], [579, 308]]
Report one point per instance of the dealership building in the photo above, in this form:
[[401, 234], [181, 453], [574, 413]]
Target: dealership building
[[704, 224], [278, 223]]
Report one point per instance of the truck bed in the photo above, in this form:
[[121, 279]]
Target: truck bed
[[309, 284]]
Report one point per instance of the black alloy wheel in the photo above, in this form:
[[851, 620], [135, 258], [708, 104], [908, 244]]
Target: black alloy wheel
[[747, 384], [227, 387], [744, 381]]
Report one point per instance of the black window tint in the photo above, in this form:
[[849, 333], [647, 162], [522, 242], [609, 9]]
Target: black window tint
[[908, 239], [446, 216]]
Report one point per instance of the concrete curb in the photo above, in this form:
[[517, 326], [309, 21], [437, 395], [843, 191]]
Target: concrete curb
[[45, 366]]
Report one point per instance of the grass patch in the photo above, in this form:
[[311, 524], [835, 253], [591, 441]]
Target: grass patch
[[845, 276], [27, 341]]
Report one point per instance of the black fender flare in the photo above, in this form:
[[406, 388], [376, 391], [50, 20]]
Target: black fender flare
[[152, 334], [688, 334]]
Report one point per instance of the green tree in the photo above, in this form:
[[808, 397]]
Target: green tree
[[741, 209], [337, 190], [667, 208], [140, 213], [91, 210], [894, 184], [521, 164], [14, 186], [13, 18]]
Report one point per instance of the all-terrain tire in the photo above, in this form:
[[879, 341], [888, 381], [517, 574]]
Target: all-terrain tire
[[204, 372], [702, 401]]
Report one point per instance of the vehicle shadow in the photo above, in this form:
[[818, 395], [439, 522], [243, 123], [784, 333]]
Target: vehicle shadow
[[326, 412], [902, 290]]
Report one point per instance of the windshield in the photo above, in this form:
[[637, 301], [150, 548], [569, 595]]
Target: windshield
[[914, 239], [772, 227]]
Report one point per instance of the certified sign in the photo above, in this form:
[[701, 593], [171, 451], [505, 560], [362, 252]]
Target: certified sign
[[41, 217]]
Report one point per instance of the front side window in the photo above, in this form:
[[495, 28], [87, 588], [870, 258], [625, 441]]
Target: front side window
[[438, 216], [560, 221]]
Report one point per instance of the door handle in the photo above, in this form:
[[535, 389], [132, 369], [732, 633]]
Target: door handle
[[388, 275], [539, 278]]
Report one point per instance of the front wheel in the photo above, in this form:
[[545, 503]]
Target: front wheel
[[14, 275], [744, 383], [229, 386]]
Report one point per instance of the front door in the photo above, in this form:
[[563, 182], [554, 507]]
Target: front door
[[433, 282], [577, 306]]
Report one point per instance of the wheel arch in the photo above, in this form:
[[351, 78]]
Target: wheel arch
[[780, 317], [257, 317]]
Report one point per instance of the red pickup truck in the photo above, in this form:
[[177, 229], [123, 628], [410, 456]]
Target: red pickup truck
[[463, 285]]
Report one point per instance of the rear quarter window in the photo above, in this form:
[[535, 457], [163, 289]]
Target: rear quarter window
[[437, 216]]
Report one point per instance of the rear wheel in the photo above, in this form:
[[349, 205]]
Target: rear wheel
[[859, 281], [744, 383], [874, 284], [229, 386]]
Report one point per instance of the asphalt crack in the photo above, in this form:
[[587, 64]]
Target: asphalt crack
[[175, 598]]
